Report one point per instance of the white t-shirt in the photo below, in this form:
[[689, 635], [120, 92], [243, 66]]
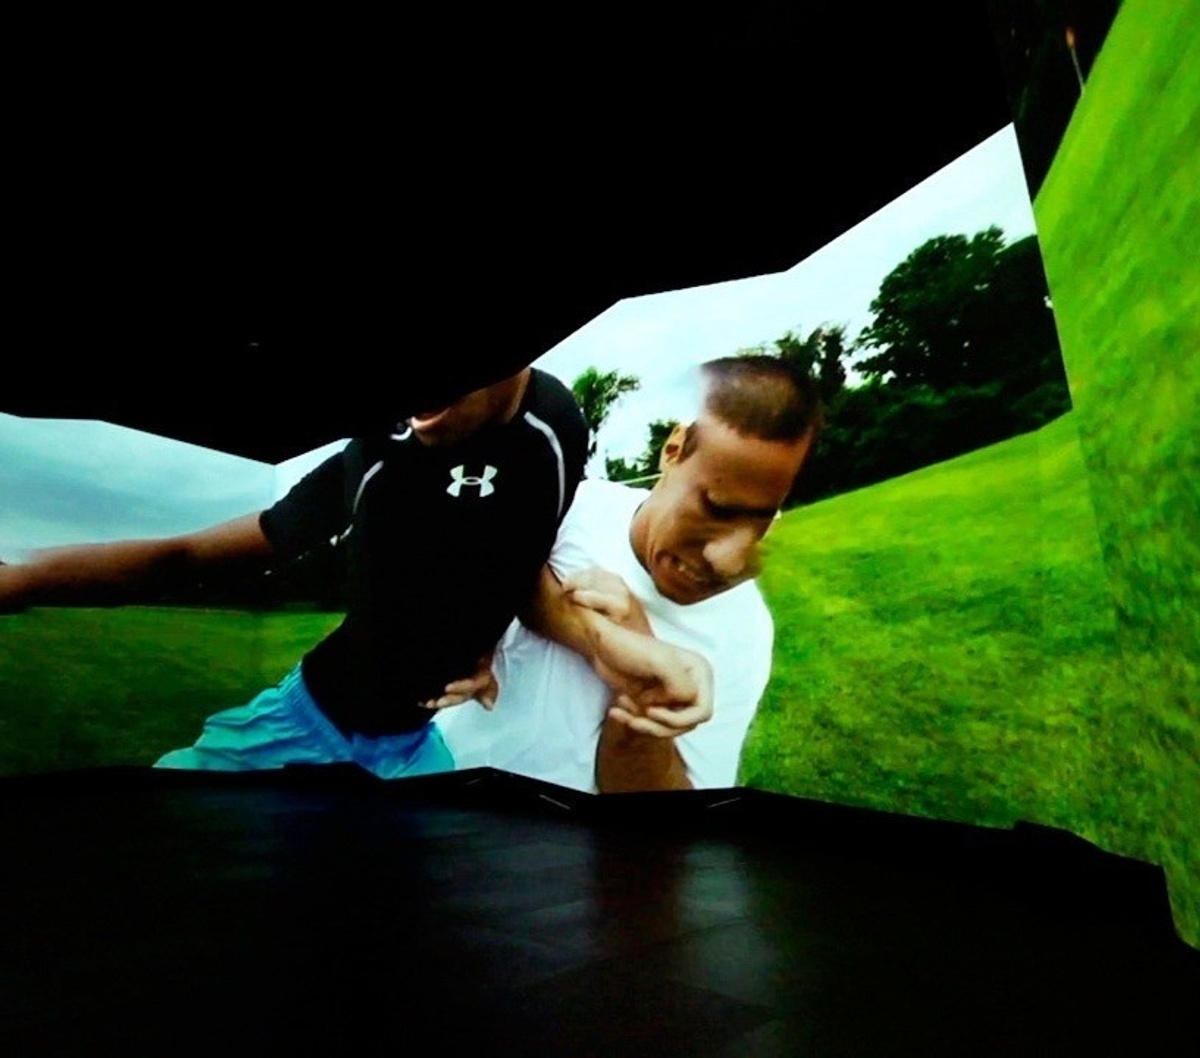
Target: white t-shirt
[[547, 719]]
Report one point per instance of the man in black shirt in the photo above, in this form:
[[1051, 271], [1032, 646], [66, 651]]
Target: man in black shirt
[[446, 523]]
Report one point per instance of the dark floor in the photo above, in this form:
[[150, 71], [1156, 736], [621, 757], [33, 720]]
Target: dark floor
[[321, 911]]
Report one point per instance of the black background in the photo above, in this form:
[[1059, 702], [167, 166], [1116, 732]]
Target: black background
[[263, 233]]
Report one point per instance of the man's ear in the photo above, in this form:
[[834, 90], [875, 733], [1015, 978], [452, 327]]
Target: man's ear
[[672, 449]]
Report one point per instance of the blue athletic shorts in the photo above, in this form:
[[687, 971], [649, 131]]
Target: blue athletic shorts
[[283, 725]]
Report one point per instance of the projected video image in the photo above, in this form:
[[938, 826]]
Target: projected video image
[[358, 593], [883, 399], [978, 600], [87, 683], [928, 339], [1116, 204]]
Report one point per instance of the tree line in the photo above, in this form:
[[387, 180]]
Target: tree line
[[962, 352]]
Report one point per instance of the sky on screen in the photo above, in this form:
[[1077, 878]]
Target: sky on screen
[[70, 481]]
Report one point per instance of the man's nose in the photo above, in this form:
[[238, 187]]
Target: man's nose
[[734, 554]]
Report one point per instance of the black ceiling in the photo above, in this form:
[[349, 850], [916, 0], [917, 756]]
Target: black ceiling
[[264, 239]]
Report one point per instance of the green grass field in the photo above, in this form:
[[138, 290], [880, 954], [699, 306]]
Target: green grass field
[[947, 646], [1016, 634], [1117, 219], [921, 628], [82, 688]]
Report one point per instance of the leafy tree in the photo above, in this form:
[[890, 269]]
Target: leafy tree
[[1023, 340], [821, 354], [967, 355], [971, 312], [597, 392], [617, 468], [876, 431], [646, 465], [928, 319]]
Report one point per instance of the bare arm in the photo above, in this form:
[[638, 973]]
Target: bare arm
[[628, 761], [661, 690], [574, 613], [118, 572]]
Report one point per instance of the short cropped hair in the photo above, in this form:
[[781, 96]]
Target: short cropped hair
[[761, 396]]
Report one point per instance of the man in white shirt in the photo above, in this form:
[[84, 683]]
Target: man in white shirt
[[676, 563]]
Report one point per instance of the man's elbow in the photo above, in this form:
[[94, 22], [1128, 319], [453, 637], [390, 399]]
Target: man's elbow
[[645, 782], [629, 762]]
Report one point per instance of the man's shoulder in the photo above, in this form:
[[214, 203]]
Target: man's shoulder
[[595, 531], [549, 411], [597, 498], [602, 490], [551, 402]]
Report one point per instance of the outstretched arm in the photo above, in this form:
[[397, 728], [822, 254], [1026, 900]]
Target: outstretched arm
[[114, 573]]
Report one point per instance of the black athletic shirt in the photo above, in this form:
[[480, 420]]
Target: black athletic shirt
[[444, 544]]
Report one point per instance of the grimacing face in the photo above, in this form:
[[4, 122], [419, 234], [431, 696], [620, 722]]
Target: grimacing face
[[479, 408], [698, 532]]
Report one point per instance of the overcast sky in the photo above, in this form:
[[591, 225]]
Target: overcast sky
[[69, 481]]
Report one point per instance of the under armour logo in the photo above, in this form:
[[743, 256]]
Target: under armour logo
[[461, 478]]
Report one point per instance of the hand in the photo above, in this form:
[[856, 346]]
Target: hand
[[481, 687], [607, 594], [662, 690]]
